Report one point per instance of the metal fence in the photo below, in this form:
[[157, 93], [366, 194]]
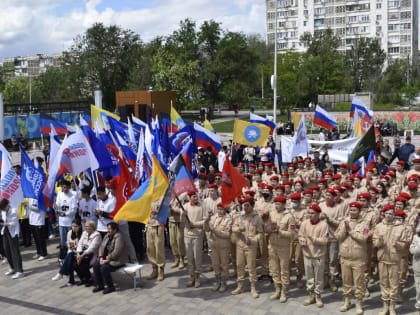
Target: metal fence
[[46, 107]]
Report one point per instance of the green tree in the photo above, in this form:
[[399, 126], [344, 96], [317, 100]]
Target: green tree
[[17, 90], [2, 82], [55, 85], [410, 93], [388, 89], [323, 66], [364, 63], [102, 58]]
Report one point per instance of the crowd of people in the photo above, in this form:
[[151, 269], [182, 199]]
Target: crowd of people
[[316, 221]]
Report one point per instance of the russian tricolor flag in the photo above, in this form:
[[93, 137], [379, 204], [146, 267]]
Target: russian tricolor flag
[[357, 104], [205, 139], [261, 120], [324, 119]]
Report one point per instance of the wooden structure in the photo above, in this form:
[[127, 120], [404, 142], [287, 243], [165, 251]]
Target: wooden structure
[[141, 103]]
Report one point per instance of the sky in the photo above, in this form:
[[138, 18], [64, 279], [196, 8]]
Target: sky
[[30, 27]]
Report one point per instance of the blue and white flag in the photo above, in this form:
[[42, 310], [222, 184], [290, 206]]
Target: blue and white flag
[[32, 179]]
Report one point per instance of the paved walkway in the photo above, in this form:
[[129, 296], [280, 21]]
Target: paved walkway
[[37, 294]]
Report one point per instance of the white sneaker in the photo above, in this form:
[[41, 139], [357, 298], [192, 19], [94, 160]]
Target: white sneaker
[[17, 275], [10, 272], [35, 256], [58, 276], [41, 258], [51, 237], [69, 284]]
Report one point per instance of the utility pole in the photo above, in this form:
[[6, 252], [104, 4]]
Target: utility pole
[[274, 78]]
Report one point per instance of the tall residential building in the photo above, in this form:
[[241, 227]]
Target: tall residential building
[[393, 22], [31, 66]]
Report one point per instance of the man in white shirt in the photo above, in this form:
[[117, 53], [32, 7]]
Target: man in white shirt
[[65, 207], [37, 226], [87, 206], [10, 232], [265, 154], [105, 206], [413, 156], [221, 157]]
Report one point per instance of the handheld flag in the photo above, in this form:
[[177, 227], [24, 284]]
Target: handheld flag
[[32, 180], [138, 207], [250, 133], [101, 115], [300, 139], [49, 123], [208, 126], [176, 118], [205, 139], [261, 120], [232, 183], [366, 144], [324, 119], [10, 187]]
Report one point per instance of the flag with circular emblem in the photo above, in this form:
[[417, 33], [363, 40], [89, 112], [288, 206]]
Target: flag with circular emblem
[[247, 133]]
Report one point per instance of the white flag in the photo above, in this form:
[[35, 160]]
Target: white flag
[[300, 140], [10, 187]]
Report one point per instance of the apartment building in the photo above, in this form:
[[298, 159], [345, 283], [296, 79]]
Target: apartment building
[[393, 22], [31, 66]]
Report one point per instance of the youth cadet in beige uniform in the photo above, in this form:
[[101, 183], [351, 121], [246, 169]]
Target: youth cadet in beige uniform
[[155, 235], [176, 231]]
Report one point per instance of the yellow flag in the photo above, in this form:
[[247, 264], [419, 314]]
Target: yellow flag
[[250, 133], [139, 207], [296, 120], [208, 126], [100, 114], [176, 118], [357, 129]]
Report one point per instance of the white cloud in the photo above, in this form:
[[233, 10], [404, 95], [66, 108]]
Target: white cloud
[[28, 27]]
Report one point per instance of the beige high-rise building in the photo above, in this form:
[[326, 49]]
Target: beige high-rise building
[[394, 23]]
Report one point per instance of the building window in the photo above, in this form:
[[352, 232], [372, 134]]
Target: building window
[[393, 27], [364, 18], [351, 19], [393, 4], [305, 23], [378, 29], [405, 15], [394, 39], [319, 11], [378, 17], [406, 26], [393, 16], [282, 45], [319, 22], [393, 50], [378, 5], [405, 38]]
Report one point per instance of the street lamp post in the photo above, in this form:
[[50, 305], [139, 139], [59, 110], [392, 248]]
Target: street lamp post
[[274, 78]]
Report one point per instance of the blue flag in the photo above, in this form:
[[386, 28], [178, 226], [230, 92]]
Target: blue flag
[[32, 179]]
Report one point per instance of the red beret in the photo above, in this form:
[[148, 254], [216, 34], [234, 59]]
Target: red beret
[[308, 192], [291, 165], [307, 158], [274, 177], [113, 184], [284, 174], [331, 191], [339, 188], [356, 175], [389, 173], [300, 182], [315, 207], [314, 162], [322, 180], [220, 204], [248, 175], [250, 192], [275, 168], [366, 196], [295, 196], [355, 204], [413, 185], [258, 172], [280, 187], [413, 177], [251, 165], [401, 163], [374, 189], [268, 187], [328, 173], [400, 213], [416, 161], [241, 164], [191, 193], [300, 161], [315, 187], [392, 169], [388, 207], [202, 176], [280, 199], [400, 199], [218, 174], [343, 165], [261, 185], [346, 184], [247, 199], [337, 176], [212, 186], [268, 164], [405, 195], [287, 182]]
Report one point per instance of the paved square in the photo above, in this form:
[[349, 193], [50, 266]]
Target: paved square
[[37, 294]]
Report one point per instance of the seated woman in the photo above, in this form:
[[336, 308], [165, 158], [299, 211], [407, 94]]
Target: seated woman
[[73, 237], [113, 254], [87, 251]]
